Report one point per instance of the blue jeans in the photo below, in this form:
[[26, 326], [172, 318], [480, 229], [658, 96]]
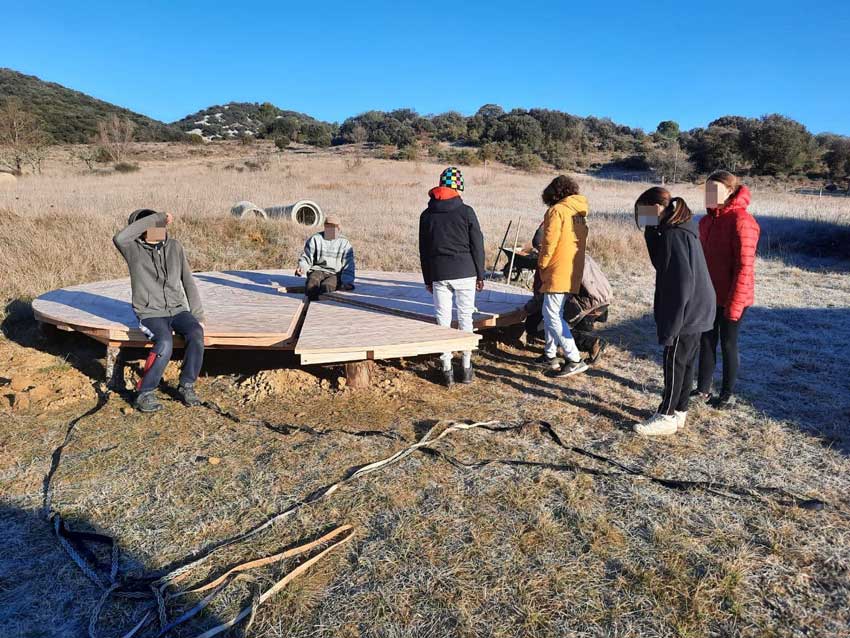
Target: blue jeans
[[556, 327], [159, 330]]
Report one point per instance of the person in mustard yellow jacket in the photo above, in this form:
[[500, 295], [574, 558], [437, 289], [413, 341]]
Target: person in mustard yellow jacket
[[561, 265]]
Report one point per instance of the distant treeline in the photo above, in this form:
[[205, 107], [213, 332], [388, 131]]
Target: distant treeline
[[771, 145], [529, 139]]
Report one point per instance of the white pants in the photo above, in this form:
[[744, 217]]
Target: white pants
[[462, 292], [556, 327]]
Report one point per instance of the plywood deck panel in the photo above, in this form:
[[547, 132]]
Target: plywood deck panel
[[390, 315], [334, 331], [236, 308], [404, 294]]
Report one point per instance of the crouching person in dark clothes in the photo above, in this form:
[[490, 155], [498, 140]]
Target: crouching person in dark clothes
[[582, 311], [684, 301], [166, 300], [328, 261]]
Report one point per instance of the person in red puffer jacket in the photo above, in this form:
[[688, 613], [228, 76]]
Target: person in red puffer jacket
[[729, 235]]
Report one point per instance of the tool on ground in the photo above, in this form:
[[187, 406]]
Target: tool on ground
[[501, 248], [513, 254]]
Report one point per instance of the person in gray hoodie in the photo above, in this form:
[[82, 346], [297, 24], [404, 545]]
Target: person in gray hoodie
[[165, 299]]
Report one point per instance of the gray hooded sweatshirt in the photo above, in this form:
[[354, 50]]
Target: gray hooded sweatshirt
[[160, 276]]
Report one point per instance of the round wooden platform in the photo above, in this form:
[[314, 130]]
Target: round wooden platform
[[388, 315]]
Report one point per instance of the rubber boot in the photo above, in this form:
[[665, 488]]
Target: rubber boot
[[467, 375]]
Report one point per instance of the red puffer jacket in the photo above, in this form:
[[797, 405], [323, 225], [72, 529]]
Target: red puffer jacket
[[729, 236]]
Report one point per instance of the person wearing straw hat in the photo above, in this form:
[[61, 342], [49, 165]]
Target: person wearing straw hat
[[451, 252], [327, 260]]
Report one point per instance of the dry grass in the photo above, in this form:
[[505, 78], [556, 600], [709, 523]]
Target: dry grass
[[498, 551]]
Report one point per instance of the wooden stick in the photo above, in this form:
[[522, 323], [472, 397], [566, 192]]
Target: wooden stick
[[499, 254], [513, 254]]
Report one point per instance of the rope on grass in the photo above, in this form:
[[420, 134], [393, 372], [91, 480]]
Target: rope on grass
[[73, 541]]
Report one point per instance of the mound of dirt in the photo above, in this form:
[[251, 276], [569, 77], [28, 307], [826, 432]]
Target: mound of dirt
[[34, 382], [270, 383]]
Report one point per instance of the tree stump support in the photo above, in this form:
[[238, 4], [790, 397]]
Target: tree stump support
[[114, 366], [358, 374]]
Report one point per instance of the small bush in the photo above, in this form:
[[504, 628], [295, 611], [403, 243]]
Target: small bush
[[126, 167], [247, 139], [408, 153], [193, 139], [460, 157], [281, 142], [353, 163], [102, 156], [385, 152], [258, 164], [527, 162]]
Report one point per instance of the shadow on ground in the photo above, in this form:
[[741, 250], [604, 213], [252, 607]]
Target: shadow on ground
[[88, 355], [794, 365], [810, 244], [44, 594]]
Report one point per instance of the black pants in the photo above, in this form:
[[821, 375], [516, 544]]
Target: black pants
[[726, 332], [680, 363], [320, 282], [159, 330]]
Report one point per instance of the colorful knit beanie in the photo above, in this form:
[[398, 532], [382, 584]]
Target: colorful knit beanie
[[452, 178]]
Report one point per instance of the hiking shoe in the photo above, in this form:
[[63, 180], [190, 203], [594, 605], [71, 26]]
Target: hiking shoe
[[188, 395], [147, 402], [681, 418], [596, 350], [550, 363], [570, 368], [658, 425], [722, 402], [700, 398], [467, 375], [447, 377]]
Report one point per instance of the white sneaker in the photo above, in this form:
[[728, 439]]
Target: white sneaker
[[658, 425], [681, 418]]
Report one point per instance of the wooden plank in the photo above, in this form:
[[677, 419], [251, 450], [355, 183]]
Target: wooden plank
[[404, 294], [235, 305], [335, 332], [338, 357]]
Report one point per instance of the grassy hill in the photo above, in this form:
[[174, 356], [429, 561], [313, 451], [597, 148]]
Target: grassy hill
[[235, 119], [70, 116]]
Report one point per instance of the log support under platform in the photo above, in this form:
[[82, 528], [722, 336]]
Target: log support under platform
[[358, 374], [114, 367]]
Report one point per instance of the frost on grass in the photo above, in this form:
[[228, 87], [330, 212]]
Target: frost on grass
[[506, 550]]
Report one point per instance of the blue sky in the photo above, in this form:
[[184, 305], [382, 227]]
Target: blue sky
[[636, 62]]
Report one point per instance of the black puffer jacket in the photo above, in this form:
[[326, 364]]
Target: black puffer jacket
[[451, 245], [684, 296]]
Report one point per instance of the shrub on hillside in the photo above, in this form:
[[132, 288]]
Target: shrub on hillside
[[409, 153]]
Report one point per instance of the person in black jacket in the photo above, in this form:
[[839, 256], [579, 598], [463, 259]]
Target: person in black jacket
[[684, 300], [451, 251]]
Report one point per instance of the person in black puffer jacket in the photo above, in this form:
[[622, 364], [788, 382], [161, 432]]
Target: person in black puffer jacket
[[451, 252], [684, 300]]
